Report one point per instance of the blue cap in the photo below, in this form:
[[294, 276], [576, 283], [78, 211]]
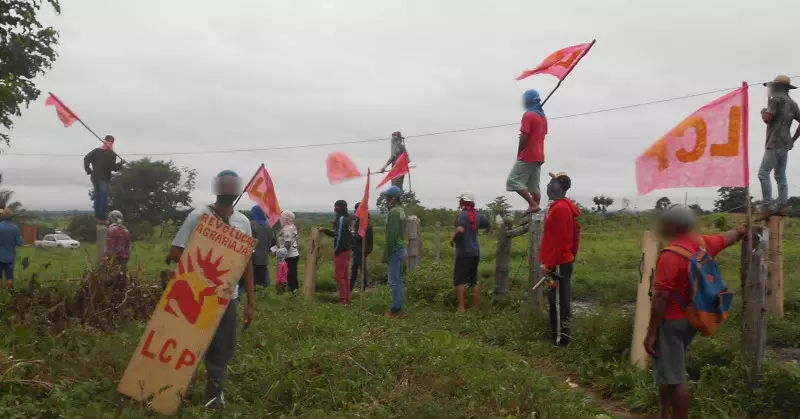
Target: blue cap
[[393, 191], [227, 173]]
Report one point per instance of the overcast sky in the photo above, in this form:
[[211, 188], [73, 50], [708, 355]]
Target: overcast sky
[[174, 76]]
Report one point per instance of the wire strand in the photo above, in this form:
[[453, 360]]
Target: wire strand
[[429, 134]]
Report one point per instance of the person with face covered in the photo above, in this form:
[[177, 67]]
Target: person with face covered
[[560, 239], [342, 234], [398, 147], [468, 250], [220, 351], [99, 164], [526, 172]]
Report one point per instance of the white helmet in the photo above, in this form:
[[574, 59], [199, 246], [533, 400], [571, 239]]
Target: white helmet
[[467, 197]]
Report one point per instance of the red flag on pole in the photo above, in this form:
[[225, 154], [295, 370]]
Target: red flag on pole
[[400, 168], [362, 213], [560, 63], [64, 114], [261, 190]]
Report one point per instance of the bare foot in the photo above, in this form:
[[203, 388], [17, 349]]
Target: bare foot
[[461, 309]]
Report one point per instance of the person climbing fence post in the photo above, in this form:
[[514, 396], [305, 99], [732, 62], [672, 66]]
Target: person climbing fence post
[[99, 164], [526, 172], [779, 114], [398, 147]]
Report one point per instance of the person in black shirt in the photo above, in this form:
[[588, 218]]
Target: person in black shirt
[[99, 164], [357, 249]]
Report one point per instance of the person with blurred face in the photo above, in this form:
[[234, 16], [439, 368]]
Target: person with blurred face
[[669, 332], [779, 114], [10, 239], [228, 187], [99, 164], [118, 241], [342, 234], [468, 250], [526, 172], [395, 249]]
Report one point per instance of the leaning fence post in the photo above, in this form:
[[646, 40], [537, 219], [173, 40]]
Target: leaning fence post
[[535, 235], [437, 241], [775, 281], [101, 243], [639, 356], [754, 318], [414, 242], [312, 257], [502, 260]]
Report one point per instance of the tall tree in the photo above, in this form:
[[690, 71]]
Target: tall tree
[[26, 50], [602, 203], [152, 191], [500, 206], [663, 203], [731, 200]]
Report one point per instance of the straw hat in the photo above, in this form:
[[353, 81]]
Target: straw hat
[[781, 80]]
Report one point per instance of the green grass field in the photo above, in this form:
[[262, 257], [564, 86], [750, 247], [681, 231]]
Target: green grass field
[[320, 359]]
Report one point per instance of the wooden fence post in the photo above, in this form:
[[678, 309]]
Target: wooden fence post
[[101, 243], [312, 259], [775, 281], [502, 261], [414, 247], [754, 318], [639, 356], [438, 242], [535, 235]]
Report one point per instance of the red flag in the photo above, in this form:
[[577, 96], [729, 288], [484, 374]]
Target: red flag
[[362, 213], [560, 63], [400, 168], [340, 167], [262, 191], [64, 114]]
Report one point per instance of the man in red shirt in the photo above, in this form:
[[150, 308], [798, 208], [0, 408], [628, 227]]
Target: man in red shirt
[[670, 333], [526, 172], [557, 253]]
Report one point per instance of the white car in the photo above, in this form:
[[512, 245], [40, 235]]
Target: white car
[[57, 240]]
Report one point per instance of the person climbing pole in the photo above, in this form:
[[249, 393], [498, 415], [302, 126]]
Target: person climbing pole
[[779, 114], [468, 250], [118, 241], [99, 164], [10, 239], [358, 246], [395, 249], [342, 248], [560, 241], [228, 186], [526, 172], [398, 147]]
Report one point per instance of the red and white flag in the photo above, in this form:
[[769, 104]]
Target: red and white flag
[[400, 168], [560, 63], [66, 116], [261, 190]]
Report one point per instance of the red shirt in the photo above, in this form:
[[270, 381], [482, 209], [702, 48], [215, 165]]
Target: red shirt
[[118, 242], [558, 235], [535, 127], [672, 271]]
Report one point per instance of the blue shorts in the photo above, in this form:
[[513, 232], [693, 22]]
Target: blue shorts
[[7, 271]]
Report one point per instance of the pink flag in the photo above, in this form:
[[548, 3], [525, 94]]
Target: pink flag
[[709, 148], [362, 213], [340, 167], [261, 190], [560, 63], [66, 116]]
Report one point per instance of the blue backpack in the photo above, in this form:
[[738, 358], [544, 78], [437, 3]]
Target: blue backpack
[[711, 299]]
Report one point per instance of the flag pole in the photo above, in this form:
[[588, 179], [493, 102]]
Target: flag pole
[[81, 121], [746, 129], [248, 184], [569, 71]]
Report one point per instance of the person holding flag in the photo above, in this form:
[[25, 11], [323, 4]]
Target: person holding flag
[[343, 248], [526, 172], [395, 249], [99, 164], [361, 250], [398, 148]]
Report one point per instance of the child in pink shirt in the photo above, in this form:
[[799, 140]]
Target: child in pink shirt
[[282, 271]]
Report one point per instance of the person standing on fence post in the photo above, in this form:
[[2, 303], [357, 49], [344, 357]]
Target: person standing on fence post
[[10, 239], [395, 249], [468, 251], [526, 172], [560, 242], [118, 241], [342, 234], [358, 244], [99, 164], [669, 332], [398, 147], [288, 239], [262, 232], [220, 352], [779, 114]]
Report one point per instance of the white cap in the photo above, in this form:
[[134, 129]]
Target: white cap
[[467, 197]]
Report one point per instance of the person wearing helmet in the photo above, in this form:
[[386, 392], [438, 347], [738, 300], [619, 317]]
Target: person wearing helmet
[[669, 332], [468, 251], [779, 114], [10, 239], [342, 248], [526, 172], [118, 241], [398, 147], [219, 354], [395, 249]]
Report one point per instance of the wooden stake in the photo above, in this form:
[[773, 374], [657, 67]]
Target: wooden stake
[[437, 242], [775, 281], [363, 272], [535, 235], [100, 242], [639, 356], [312, 258], [414, 246], [754, 319], [502, 261]]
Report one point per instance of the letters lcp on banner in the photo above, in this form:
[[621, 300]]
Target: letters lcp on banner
[[187, 316]]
